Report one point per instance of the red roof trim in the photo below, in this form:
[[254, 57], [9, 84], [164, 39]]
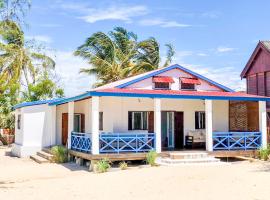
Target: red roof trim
[[162, 79], [190, 80]]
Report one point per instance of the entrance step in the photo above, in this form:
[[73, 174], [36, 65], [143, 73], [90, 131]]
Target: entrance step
[[178, 158], [47, 150], [45, 155], [39, 159], [188, 155]]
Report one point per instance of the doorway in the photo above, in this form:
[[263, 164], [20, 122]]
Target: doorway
[[172, 132]]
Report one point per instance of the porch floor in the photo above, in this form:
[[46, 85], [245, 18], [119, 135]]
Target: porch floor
[[142, 156]]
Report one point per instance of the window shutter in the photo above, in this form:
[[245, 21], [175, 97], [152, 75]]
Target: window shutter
[[196, 120], [129, 120], [151, 122]]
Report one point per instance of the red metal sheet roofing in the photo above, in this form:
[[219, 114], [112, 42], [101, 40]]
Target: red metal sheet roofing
[[163, 79], [190, 80], [179, 92]]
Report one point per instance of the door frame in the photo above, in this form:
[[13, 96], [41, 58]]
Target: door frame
[[173, 127]]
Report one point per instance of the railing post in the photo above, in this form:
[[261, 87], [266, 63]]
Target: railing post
[[209, 126], [70, 122], [95, 125], [262, 123], [157, 124]]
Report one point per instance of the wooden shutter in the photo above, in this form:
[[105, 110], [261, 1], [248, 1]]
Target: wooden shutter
[[252, 84], [64, 128], [261, 84], [82, 123], [129, 120], [196, 120], [151, 122]]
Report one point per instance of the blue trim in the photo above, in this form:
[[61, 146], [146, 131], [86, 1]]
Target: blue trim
[[174, 96], [66, 100], [176, 66], [33, 103]]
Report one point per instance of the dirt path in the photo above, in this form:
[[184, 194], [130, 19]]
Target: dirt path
[[24, 179]]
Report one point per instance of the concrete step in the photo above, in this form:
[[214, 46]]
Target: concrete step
[[45, 155], [39, 159], [188, 155], [172, 162], [47, 150]]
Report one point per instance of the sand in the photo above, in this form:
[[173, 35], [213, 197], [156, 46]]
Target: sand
[[25, 179]]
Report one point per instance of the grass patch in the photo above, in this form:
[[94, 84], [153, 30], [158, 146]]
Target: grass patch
[[103, 166], [123, 165], [60, 154], [264, 153], [151, 158]]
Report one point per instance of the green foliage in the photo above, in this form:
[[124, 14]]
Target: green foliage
[[103, 165], [60, 154], [151, 158], [119, 54], [123, 165], [264, 153]]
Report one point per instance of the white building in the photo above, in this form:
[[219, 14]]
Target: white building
[[155, 110]]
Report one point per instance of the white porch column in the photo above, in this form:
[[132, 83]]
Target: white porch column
[[95, 125], [70, 121], [157, 124], [263, 123], [209, 125]]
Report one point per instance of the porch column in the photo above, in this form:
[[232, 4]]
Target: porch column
[[70, 122], [95, 125], [157, 124], [262, 122], [209, 125]]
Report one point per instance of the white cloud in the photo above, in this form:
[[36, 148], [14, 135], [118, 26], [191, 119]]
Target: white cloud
[[122, 13], [67, 68], [202, 54], [223, 49], [39, 38], [162, 23], [48, 25]]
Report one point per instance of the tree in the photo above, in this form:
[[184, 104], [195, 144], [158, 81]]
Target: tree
[[119, 54]]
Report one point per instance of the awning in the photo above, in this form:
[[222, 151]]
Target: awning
[[190, 81], [163, 79]]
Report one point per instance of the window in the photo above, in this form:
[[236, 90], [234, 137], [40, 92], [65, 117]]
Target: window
[[162, 86], [187, 86], [200, 120], [19, 122], [77, 123], [101, 121], [137, 120]]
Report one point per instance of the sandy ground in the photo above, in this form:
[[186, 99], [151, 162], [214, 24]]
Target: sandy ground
[[24, 179]]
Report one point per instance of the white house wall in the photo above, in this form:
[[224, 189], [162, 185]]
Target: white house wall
[[37, 129], [175, 74], [220, 116]]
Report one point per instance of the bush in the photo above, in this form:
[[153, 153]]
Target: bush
[[103, 166], [60, 154], [123, 165], [264, 153], [151, 158]]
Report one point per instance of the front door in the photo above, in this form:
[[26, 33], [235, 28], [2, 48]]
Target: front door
[[167, 129], [179, 130]]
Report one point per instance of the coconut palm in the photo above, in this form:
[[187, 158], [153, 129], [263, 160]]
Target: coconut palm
[[119, 54], [19, 62]]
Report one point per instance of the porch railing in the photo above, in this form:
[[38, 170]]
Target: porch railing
[[81, 142], [126, 142], [114, 142], [236, 140]]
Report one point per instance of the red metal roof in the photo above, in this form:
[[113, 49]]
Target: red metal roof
[[190, 80], [180, 93], [163, 79]]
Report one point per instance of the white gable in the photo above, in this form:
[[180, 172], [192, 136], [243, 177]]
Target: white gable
[[175, 74]]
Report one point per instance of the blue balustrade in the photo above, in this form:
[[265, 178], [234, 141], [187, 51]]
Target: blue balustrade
[[81, 142], [126, 142], [236, 140]]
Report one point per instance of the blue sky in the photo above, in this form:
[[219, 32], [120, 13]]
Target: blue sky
[[214, 38]]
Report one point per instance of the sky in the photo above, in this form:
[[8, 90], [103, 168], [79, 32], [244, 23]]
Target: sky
[[214, 38]]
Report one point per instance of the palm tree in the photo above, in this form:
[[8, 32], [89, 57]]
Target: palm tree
[[119, 54], [19, 63]]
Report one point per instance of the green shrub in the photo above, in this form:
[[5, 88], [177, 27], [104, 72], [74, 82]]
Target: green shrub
[[264, 153], [151, 158], [123, 165], [103, 166], [60, 154]]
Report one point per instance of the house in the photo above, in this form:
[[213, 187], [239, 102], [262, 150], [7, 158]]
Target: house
[[170, 108], [257, 73]]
